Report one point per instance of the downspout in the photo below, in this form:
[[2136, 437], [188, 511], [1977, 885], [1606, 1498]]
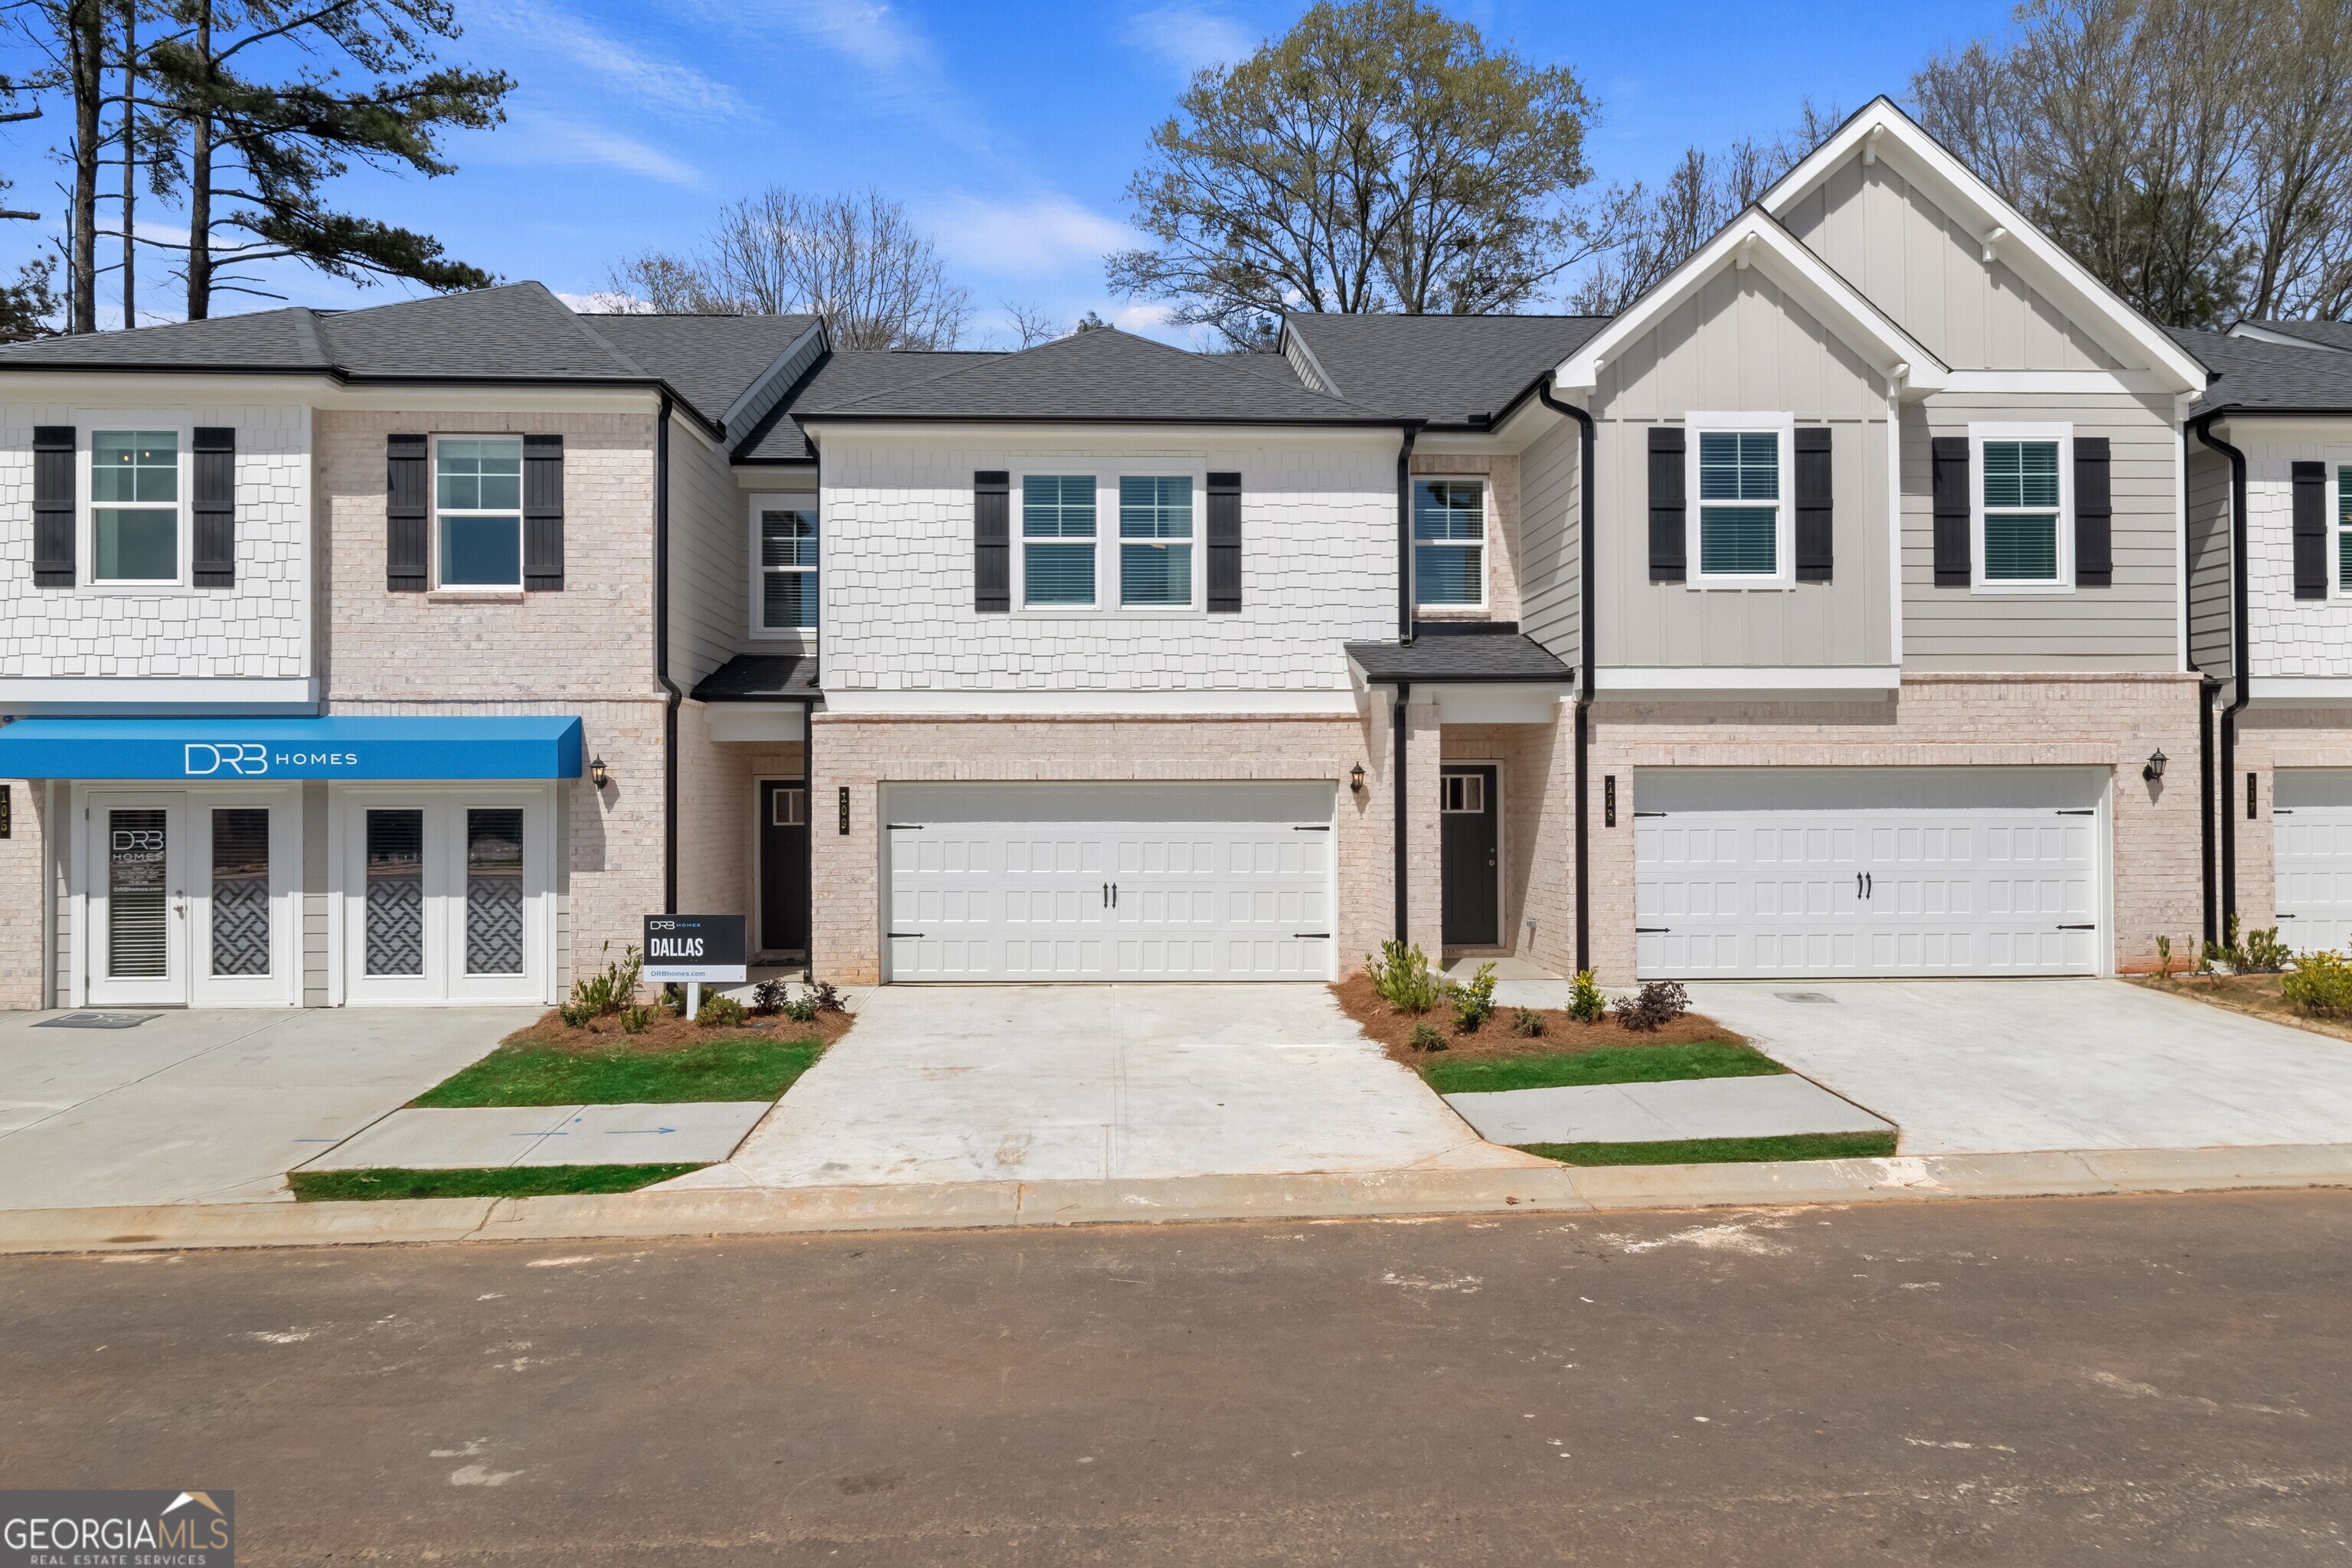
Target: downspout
[[808, 867], [1584, 662], [1397, 797], [1404, 534], [2238, 640], [672, 696]]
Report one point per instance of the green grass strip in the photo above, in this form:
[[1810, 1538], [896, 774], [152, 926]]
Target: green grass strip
[[1722, 1150], [1614, 1064], [506, 1182], [527, 1074]]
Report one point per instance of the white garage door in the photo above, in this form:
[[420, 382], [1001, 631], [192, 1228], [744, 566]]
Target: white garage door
[[1172, 881], [1862, 871], [2312, 838]]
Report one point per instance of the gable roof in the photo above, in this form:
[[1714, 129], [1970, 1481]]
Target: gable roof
[[1445, 369], [2337, 335], [1104, 376], [843, 376], [1756, 239], [1879, 129], [709, 360], [2252, 376]]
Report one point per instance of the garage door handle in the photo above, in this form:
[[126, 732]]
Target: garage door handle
[[1653, 930], [906, 827], [2083, 811], [2078, 928], [902, 933], [1325, 934], [1316, 827]]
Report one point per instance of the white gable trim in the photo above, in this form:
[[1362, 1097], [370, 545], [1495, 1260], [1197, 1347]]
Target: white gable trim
[[1755, 239], [1882, 130]]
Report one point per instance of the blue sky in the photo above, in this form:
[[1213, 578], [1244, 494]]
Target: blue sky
[[1011, 131]]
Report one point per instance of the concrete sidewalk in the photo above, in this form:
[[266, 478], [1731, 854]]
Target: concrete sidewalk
[[1777, 1105], [498, 1137]]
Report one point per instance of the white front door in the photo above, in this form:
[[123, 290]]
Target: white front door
[[2310, 811], [245, 856], [1827, 872], [136, 867], [445, 895], [1070, 882]]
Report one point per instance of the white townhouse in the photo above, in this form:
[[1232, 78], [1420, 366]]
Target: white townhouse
[[1824, 613]]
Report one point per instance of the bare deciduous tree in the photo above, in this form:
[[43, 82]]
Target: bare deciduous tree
[[856, 259], [1034, 324]]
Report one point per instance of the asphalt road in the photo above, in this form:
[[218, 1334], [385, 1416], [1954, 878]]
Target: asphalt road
[[2130, 1380]]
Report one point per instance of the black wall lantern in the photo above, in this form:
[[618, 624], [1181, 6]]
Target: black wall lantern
[[596, 773], [2155, 769], [1356, 779]]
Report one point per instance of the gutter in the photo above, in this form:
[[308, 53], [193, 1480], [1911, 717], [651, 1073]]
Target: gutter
[[1584, 638], [672, 696], [2240, 673]]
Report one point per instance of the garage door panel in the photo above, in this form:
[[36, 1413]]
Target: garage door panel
[[2312, 847]]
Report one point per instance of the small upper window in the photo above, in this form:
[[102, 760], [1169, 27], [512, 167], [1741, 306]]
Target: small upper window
[[1057, 539], [787, 567], [2020, 511], [1739, 503], [1449, 542], [2344, 528], [477, 506], [1155, 540], [134, 491]]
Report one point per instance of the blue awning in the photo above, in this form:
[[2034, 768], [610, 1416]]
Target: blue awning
[[218, 750]]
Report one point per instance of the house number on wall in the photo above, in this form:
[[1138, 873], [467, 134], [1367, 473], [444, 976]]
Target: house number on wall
[[844, 811]]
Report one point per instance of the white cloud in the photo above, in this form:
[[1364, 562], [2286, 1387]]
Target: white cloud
[[1051, 237], [605, 301], [1148, 320], [1189, 38], [593, 146], [626, 65]]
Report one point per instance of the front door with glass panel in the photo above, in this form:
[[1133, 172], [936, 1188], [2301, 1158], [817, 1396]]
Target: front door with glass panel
[[443, 897], [137, 877], [190, 897]]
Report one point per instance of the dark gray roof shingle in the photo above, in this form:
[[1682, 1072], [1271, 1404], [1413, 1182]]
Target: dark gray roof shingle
[[1448, 370], [2267, 378], [1106, 374], [759, 676], [1472, 656], [843, 376], [707, 360]]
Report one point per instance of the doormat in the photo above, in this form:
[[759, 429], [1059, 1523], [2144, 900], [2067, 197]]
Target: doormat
[[1803, 996], [97, 1021]]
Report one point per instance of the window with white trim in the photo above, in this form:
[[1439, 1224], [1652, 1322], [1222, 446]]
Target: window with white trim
[[1057, 539], [2023, 499], [1449, 543], [477, 511], [1739, 503], [134, 491], [2343, 528], [787, 566], [1155, 538]]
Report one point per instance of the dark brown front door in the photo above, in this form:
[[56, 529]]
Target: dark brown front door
[[783, 867], [1467, 845]]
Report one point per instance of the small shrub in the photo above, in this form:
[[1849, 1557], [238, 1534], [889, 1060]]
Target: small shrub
[[719, 1011], [605, 993], [2164, 958], [1425, 1037], [2320, 987], [1473, 1004], [1401, 975], [828, 999], [1526, 1022], [1585, 1002], [1657, 1003], [803, 1008], [636, 1019], [2265, 954], [767, 997]]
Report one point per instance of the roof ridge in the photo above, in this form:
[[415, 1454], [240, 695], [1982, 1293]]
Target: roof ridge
[[580, 323]]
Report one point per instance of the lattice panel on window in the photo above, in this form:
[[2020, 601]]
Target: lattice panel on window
[[395, 892], [494, 891], [241, 892]]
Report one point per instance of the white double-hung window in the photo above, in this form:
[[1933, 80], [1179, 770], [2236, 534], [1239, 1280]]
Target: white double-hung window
[[1449, 543], [2023, 498], [1737, 468], [477, 511], [787, 563], [2343, 528], [1057, 539], [134, 514], [1155, 538]]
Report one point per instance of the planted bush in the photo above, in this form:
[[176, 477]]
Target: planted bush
[[2320, 985], [1585, 1002], [1526, 1022], [1401, 975], [613, 989], [719, 1011], [767, 997], [1426, 1038], [828, 999], [2265, 954], [1656, 1004], [1474, 1003], [803, 1008]]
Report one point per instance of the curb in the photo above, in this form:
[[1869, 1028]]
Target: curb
[[758, 1211]]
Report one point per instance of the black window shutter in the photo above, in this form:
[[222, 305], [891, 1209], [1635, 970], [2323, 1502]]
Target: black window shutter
[[1666, 505], [53, 506], [1949, 455], [214, 454], [2095, 514], [1815, 535], [1224, 544], [407, 486], [992, 541], [542, 514], [2310, 530]]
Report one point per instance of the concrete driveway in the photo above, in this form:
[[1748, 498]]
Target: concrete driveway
[[1097, 1082], [2009, 1066], [204, 1107]]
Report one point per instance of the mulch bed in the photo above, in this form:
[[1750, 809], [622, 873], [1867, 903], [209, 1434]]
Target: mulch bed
[[2257, 995], [1562, 1033], [668, 1032]]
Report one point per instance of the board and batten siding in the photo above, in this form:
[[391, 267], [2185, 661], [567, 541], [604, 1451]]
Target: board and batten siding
[[1552, 561], [1883, 235], [1318, 566], [2209, 648], [2286, 635], [2133, 624], [1740, 344]]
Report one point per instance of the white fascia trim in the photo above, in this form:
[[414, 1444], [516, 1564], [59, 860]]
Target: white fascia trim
[[2129, 383], [773, 383], [1220, 704], [2301, 690], [1756, 239], [158, 694], [1306, 362], [1748, 678], [2259, 334], [1879, 128]]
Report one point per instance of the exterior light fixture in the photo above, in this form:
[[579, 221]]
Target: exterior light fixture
[[1356, 779], [2155, 769], [596, 773]]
